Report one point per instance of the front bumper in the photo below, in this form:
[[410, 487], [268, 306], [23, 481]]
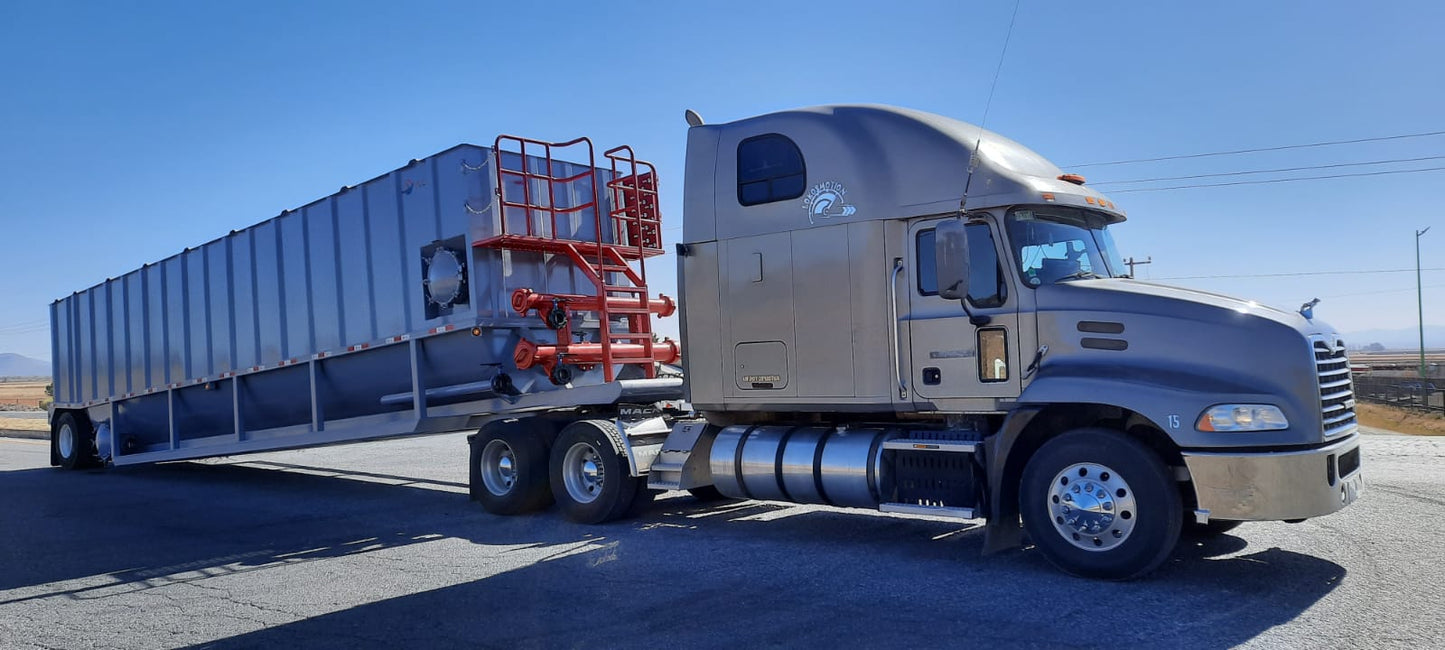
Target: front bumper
[[1271, 486]]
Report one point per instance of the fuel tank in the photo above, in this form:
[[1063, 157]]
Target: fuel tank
[[840, 466]]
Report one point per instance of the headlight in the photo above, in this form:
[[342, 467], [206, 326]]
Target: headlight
[[1242, 417]]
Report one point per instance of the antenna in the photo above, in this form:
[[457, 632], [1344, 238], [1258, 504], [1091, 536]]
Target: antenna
[[973, 157]]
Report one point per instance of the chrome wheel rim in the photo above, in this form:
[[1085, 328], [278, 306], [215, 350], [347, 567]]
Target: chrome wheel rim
[[1092, 507], [582, 473], [67, 441], [498, 468]]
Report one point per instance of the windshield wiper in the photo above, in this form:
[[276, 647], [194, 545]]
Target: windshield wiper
[[1079, 275]]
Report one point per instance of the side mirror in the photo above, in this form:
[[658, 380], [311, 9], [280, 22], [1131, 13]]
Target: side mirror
[[950, 241]]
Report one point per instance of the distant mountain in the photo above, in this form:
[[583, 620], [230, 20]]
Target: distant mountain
[[1397, 339], [14, 365]]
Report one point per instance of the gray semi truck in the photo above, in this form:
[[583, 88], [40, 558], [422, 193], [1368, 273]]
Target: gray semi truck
[[880, 308]]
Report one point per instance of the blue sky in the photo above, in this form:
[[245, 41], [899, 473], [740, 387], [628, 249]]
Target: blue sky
[[129, 131]]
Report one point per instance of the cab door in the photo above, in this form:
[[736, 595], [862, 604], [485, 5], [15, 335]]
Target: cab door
[[951, 357]]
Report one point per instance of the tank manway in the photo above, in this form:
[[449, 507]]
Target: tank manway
[[835, 466]]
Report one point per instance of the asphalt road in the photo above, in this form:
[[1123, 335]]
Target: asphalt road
[[376, 545], [25, 415]]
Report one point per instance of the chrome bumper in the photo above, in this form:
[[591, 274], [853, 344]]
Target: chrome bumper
[[1272, 486]]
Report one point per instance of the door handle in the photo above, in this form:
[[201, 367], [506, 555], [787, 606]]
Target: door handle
[[893, 325]]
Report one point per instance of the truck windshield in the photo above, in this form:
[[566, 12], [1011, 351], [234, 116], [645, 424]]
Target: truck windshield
[[1058, 244]]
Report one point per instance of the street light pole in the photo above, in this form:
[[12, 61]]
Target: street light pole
[[1420, 298]]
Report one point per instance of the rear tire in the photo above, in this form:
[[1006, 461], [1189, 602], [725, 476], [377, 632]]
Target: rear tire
[[73, 442], [591, 481], [1099, 504], [509, 467]]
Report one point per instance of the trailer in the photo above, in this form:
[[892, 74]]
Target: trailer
[[380, 310], [881, 308]]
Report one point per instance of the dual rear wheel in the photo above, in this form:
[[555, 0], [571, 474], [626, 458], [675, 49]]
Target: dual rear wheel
[[525, 465]]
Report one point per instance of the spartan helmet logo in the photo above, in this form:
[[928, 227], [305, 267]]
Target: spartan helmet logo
[[825, 201]]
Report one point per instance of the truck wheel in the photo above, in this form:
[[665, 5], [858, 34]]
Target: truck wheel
[[74, 442], [1099, 504], [509, 469], [589, 478]]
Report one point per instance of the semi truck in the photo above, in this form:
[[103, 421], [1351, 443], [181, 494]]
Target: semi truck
[[880, 308]]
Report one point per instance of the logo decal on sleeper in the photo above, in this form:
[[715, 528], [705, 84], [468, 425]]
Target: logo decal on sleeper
[[825, 201]]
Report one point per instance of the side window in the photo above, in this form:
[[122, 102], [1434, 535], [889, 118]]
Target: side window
[[770, 168], [985, 278]]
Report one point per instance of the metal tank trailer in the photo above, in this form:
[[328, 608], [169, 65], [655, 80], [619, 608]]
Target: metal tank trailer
[[381, 310]]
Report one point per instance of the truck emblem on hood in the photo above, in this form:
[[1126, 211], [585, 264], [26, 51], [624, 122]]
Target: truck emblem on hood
[[825, 201]]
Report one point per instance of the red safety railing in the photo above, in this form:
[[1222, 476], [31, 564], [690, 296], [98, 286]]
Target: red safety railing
[[630, 232]]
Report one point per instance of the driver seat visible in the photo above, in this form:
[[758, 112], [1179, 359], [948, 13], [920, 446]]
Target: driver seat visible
[[1050, 270]]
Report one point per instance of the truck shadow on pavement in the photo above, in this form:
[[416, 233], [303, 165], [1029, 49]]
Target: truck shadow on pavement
[[681, 572]]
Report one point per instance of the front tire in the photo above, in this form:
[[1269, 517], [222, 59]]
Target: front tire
[[1099, 504], [73, 442], [591, 481]]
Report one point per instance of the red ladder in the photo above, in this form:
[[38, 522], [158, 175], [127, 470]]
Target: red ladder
[[630, 233]]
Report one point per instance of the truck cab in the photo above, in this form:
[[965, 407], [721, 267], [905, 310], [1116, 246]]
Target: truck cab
[[942, 315]]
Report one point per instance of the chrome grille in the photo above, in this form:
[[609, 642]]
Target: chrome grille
[[1337, 394]]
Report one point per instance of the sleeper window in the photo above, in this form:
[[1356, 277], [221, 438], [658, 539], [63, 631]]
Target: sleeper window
[[770, 168]]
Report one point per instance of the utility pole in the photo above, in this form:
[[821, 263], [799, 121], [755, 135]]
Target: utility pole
[[1420, 298], [1131, 263]]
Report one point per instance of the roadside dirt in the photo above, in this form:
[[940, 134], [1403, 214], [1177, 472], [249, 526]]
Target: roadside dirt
[[23, 424], [1401, 420]]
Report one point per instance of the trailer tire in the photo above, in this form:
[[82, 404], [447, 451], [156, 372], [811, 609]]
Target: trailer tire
[[72, 440], [1100, 504], [591, 481], [509, 469]]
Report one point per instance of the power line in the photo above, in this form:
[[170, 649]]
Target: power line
[[28, 323], [1294, 274], [6, 331], [1271, 171], [1371, 293], [1279, 180], [1259, 149]]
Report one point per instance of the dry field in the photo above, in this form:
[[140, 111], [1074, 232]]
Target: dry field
[[23, 393], [1400, 420], [22, 424]]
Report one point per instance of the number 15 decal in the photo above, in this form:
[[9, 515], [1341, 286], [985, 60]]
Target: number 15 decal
[[1173, 422]]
